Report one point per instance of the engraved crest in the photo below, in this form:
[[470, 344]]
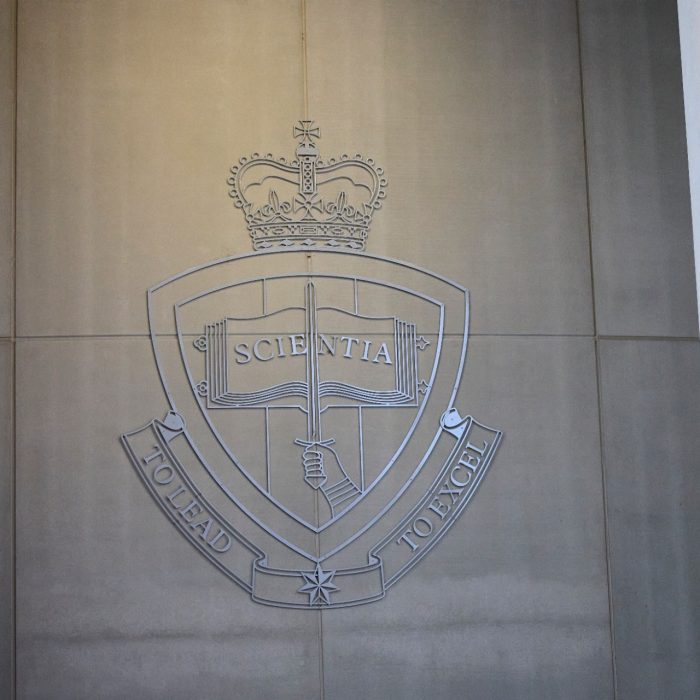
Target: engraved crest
[[319, 383]]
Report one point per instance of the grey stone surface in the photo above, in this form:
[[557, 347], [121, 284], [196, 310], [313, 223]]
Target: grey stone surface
[[7, 164], [6, 509], [638, 169], [112, 601], [130, 115], [474, 111], [513, 603], [651, 444]]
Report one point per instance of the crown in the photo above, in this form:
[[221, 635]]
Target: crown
[[307, 202]]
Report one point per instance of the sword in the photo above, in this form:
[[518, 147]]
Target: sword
[[314, 472], [343, 489]]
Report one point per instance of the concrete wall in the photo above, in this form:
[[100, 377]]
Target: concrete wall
[[536, 154]]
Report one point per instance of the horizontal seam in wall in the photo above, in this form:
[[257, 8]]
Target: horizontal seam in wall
[[684, 338], [107, 336], [118, 336]]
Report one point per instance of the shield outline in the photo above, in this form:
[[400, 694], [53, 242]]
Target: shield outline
[[154, 335]]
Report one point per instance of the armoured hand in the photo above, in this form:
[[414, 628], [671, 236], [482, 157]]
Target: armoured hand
[[323, 470], [313, 461]]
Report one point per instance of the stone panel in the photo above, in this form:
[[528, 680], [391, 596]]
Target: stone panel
[[112, 601], [513, 603], [638, 169], [7, 164], [651, 444], [130, 115], [474, 111], [6, 508]]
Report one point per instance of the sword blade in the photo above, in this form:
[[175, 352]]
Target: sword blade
[[313, 401]]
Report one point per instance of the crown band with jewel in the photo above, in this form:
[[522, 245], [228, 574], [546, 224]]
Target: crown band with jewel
[[307, 202]]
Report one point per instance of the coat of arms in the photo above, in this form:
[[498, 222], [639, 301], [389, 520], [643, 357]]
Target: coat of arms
[[311, 449]]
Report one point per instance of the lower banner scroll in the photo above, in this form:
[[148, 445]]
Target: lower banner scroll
[[319, 585]]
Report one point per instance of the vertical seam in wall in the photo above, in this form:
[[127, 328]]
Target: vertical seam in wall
[[305, 88], [611, 612], [13, 387], [596, 346], [304, 61], [322, 677]]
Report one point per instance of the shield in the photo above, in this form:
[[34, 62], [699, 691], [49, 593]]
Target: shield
[[319, 386]]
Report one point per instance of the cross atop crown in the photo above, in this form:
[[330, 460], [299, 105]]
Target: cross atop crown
[[306, 130]]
